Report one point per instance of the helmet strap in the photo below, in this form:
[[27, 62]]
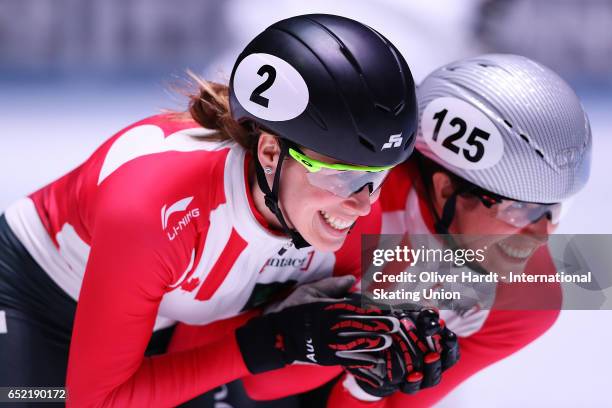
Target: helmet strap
[[271, 196], [448, 213], [442, 223]]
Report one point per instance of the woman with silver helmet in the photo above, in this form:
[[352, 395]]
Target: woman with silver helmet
[[503, 144]]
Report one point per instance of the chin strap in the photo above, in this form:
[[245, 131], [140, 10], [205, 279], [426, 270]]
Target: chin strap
[[271, 196], [443, 223]]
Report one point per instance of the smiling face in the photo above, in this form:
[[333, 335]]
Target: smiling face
[[508, 247], [321, 217]]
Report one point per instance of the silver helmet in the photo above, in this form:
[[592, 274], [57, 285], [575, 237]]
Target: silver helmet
[[508, 125]]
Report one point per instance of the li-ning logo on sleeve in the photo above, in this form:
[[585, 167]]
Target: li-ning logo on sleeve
[[180, 205], [394, 141]]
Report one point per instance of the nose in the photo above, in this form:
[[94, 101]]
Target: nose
[[359, 203], [540, 229]]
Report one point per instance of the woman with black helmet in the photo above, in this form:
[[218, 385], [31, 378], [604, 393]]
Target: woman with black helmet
[[199, 217]]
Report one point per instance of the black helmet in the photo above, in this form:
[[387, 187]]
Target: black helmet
[[330, 84]]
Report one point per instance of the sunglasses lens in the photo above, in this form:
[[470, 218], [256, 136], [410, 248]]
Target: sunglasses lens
[[346, 183], [520, 214]]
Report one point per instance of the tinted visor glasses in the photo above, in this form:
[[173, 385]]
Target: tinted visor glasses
[[519, 213], [342, 180]]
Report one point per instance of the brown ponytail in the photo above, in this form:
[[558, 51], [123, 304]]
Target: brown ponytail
[[209, 106]]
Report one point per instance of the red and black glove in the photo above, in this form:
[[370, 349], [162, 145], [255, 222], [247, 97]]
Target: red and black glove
[[422, 349], [323, 333]]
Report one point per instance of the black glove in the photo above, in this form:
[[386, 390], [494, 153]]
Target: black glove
[[323, 333], [450, 347], [422, 349]]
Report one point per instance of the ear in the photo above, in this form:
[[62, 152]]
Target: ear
[[268, 150], [442, 189]]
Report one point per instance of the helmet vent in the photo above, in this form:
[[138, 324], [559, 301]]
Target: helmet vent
[[409, 141], [528, 141], [349, 56], [396, 111], [382, 107], [343, 48], [316, 116], [399, 108], [508, 124], [366, 143]]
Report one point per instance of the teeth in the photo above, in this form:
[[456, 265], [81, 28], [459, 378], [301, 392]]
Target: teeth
[[335, 223], [515, 252]]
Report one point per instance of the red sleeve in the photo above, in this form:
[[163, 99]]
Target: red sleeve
[[260, 387], [291, 380], [129, 269]]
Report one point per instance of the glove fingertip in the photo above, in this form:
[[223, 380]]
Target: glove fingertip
[[431, 358], [414, 377], [413, 383]]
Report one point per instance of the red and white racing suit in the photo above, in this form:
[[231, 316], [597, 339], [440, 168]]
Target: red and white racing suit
[[519, 315], [159, 226]]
